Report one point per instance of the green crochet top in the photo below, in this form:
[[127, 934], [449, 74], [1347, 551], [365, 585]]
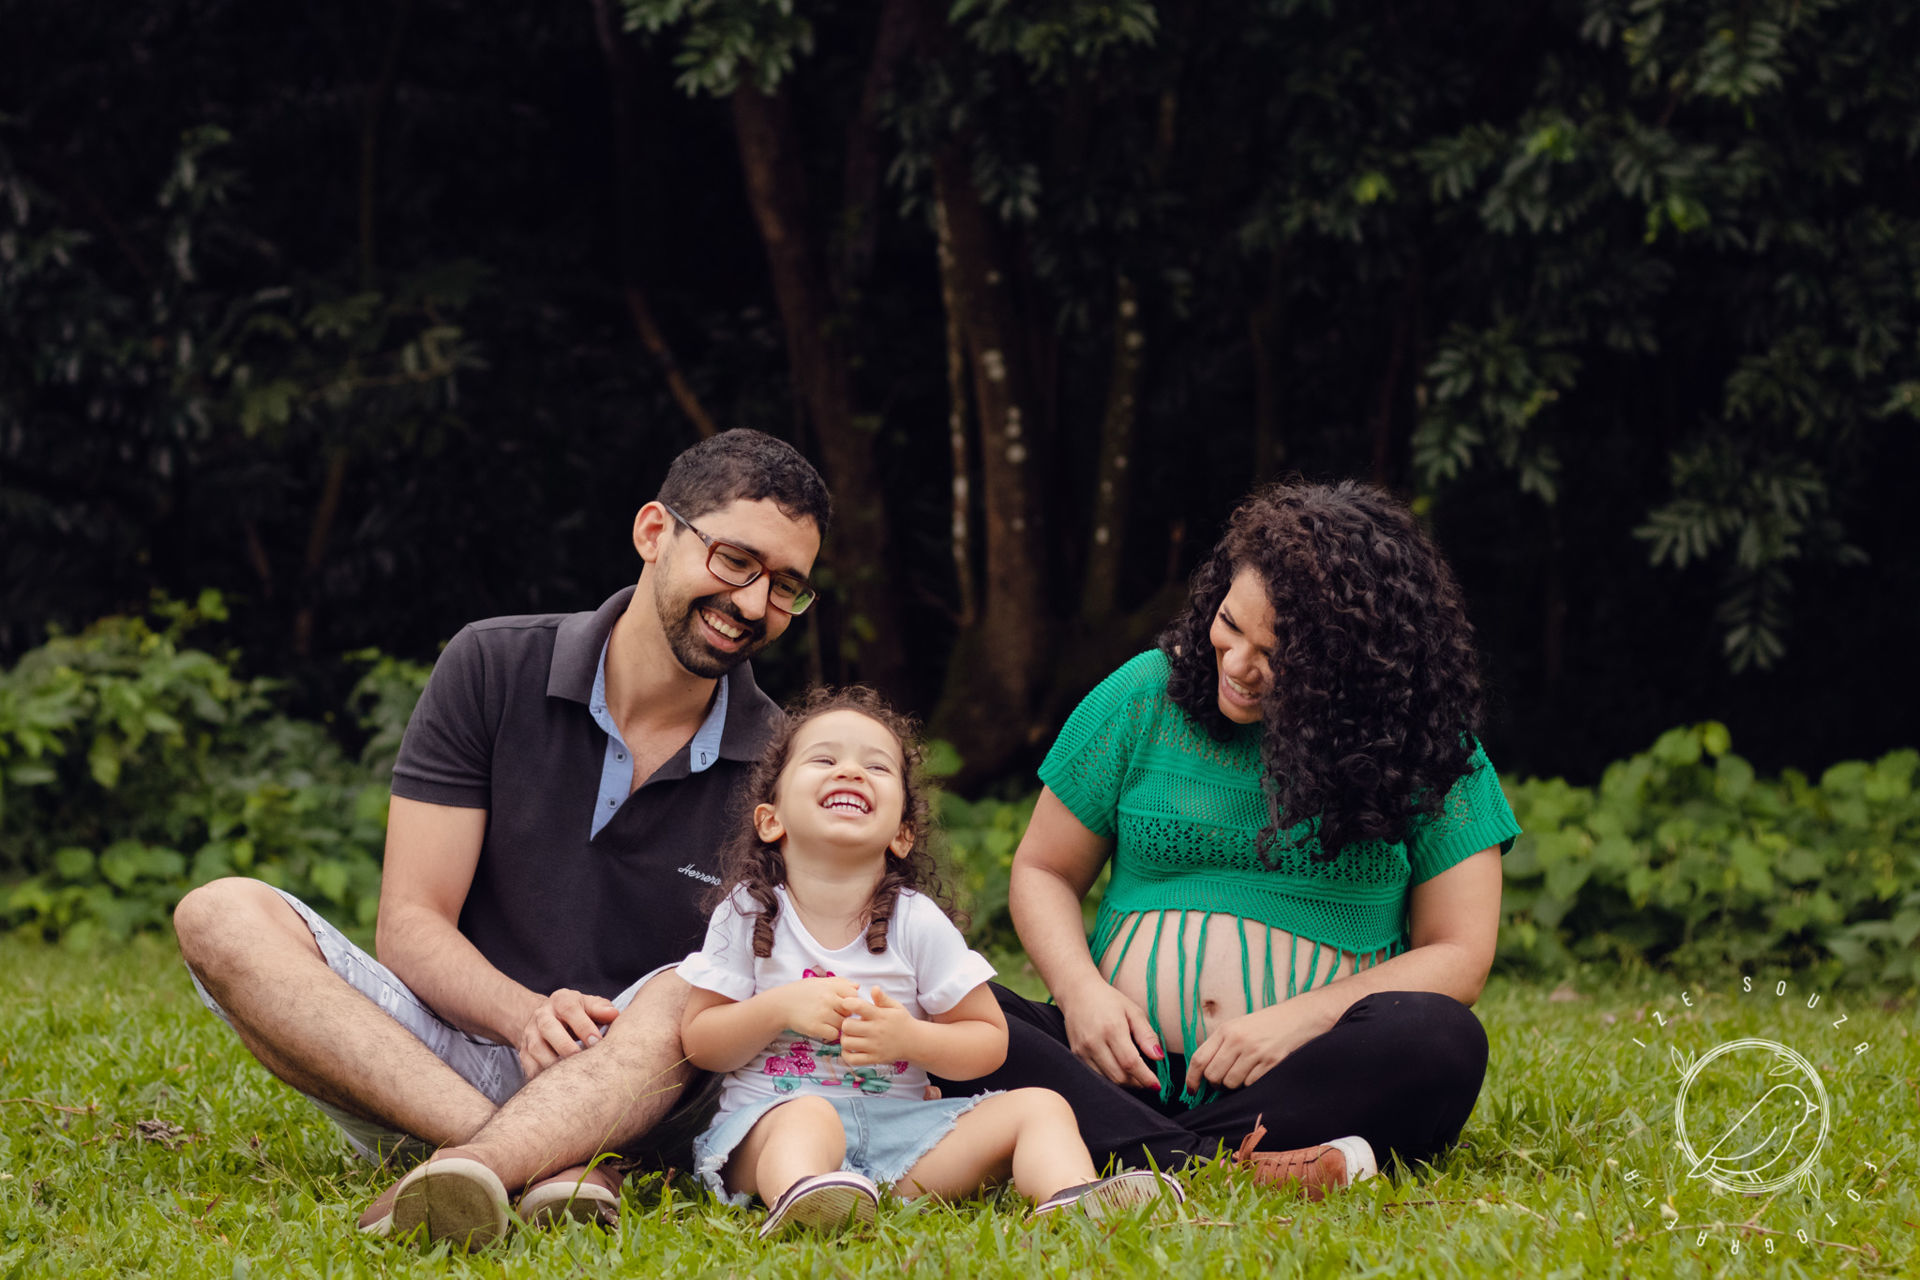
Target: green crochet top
[[1184, 812]]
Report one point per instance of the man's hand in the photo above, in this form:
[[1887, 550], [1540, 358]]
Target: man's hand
[[562, 1025], [880, 1031], [1111, 1034], [815, 1006], [1241, 1050]]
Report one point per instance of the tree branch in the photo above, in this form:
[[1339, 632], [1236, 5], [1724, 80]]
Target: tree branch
[[621, 77], [379, 94]]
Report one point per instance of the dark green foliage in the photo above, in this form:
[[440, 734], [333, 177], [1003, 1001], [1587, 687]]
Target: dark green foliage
[[1717, 200], [334, 309], [202, 394], [133, 767], [981, 836], [1682, 857]]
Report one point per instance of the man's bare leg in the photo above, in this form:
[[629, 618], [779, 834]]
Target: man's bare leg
[[257, 957], [598, 1100]]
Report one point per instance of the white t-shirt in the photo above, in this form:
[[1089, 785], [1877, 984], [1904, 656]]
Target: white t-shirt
[[927, 967]]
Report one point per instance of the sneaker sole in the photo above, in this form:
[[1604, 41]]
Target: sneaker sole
[[1123, 1194], [1359, 1158], [583, 1202], [829, 1208], [457, 1200]]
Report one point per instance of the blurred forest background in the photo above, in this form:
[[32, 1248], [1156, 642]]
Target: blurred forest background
[[379, 318]]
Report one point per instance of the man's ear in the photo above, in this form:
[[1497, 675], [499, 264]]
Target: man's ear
[[650, 525], [766, 824], [902, 843]]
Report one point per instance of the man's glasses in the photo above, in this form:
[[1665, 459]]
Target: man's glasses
[[738, 567]]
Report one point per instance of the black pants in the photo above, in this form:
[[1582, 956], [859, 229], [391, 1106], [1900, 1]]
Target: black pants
[[1401, 1069]]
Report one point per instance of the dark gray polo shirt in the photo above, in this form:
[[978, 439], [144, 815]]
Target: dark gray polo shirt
[[505, 726]]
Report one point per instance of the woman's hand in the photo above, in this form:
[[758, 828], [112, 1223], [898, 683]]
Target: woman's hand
[[1111, 1034], [1056, 863], [1241, 1050]]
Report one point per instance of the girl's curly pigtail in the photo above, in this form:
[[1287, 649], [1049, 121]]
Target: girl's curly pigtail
[[880, 911]]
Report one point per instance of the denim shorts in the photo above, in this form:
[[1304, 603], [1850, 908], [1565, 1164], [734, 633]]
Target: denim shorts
[[885, 1136], [493, 1069]]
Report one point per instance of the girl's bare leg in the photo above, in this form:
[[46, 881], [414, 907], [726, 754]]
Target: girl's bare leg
[[795, 1140], [1029, 1134]]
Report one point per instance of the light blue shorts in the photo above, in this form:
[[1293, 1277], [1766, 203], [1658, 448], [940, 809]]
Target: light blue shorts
[[493, 1069], [885, 1136]]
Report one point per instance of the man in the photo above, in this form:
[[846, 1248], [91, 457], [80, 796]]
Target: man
[[559, 801]]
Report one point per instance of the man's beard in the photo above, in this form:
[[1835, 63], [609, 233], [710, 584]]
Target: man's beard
[[692, 651]]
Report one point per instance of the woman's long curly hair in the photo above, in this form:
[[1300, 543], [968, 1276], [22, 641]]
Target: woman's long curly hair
[[758, 866], [1375, 688]]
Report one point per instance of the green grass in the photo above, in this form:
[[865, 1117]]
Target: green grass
[[141, 1140]]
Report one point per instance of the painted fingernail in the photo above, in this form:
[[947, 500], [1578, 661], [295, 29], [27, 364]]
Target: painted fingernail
[[1156, 1053]]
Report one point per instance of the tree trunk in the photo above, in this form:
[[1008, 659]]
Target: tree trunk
[[1101, 592], [1001, 661], [1263, 344], [822, 372], [1553, 613], [860, 194], [318, 535], [379, 93], [1384, 437], [960, 528], [1100, 596]]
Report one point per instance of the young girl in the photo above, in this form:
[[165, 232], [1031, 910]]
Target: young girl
[[831, 984]]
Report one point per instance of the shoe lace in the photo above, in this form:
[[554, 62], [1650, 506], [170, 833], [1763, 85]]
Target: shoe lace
[[1246, 1151]]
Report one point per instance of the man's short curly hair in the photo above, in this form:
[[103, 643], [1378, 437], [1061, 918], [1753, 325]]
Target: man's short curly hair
[[1375, 696], [746, 464]]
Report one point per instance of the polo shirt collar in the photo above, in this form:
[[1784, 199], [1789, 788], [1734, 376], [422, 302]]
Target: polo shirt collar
[[750, 715], [577, 647], [704, 746]]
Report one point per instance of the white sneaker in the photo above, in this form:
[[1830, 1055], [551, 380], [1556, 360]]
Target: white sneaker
[[1123, 1191], [454, 1199], [824, 1202]]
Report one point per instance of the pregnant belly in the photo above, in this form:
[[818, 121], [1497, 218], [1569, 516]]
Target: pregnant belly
[[1222, 988]]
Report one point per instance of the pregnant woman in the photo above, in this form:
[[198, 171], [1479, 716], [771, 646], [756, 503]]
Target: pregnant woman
[[1305, 838]]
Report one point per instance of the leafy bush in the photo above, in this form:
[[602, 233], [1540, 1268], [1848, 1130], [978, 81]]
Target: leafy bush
[[981, 836], [1682, 857], [133, 768]]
